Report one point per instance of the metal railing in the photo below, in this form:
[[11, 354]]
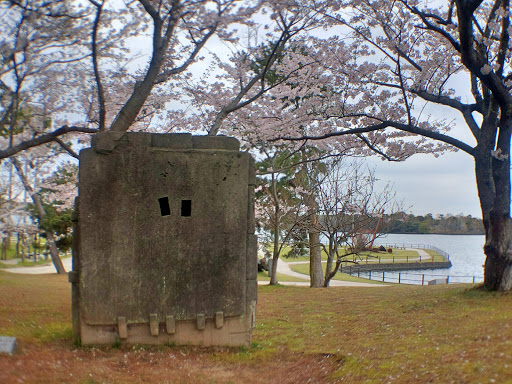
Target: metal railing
[[416, 246], [407, 277], [410, 277], [391, 259]]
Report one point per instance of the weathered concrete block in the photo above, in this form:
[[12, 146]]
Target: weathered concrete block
[[165, 229], [177, 141], [251, 218], [7, 344], [170, 325], [122, 326], [153, 324], [219, 319], [215, 142]]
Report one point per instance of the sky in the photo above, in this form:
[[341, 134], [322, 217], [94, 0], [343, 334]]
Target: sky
[[425, 184], [442, 185]]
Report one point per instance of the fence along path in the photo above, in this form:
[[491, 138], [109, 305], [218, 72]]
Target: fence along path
[[407, 277]]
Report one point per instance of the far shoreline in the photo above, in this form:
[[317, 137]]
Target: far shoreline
[[433, 233]]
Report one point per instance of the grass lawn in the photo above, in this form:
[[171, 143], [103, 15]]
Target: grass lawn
[[397, 334], [304, 268], [398, 256], [263, 276], [11, 251]]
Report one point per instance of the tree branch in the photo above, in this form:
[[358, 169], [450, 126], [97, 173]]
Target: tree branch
[[260, 76], [101, 92], [42, 139], [389, 124], [67, 148]]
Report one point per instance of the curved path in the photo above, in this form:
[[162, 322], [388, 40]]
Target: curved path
[[47, 268], [284, 268]]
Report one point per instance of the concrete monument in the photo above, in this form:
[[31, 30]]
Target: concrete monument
[[165, 250]]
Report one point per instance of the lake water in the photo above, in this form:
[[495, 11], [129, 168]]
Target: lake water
[[466, 254]]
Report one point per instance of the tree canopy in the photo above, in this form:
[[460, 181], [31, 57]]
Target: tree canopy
[[356, 77]]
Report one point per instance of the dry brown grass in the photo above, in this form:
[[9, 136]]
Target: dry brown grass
[[398, 334]]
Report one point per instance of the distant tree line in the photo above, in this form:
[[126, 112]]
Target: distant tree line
[[402, 222]]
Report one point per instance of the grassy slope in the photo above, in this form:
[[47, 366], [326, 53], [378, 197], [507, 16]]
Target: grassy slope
[[400, 334], [304, 269], [398, 255]]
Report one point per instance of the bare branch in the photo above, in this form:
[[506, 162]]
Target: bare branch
[[99, 85], [377, 150], [389, 124], [67, 148], [42, 139]]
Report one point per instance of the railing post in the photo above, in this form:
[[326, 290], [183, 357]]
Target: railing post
[[399, 277], [358, 272], [422, 279], [383, 276], [447, 279], [370, 274]]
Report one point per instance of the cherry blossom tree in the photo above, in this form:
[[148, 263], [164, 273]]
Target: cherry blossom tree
[[410, 55], [85, 53], [72, 67]]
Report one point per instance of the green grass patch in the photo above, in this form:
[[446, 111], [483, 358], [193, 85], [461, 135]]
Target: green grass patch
[[399, 334], [397, 256], [304, 268], [263, 276], [11, 250]]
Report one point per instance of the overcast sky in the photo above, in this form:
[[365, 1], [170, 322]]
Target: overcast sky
[[429, 185]]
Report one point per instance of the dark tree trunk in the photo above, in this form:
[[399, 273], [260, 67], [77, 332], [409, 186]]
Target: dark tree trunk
[[492, 169], [498, 251], [331, 252], [315, 258], [277, 231], [275, 256]]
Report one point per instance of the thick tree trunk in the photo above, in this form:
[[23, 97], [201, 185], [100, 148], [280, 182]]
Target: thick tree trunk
[[4, 249], [275, 257], [492, 168], [277, 231], [315, 258], [498, 249]]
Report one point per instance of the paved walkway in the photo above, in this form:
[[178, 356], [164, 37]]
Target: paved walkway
[[283, 268], [40, 269]]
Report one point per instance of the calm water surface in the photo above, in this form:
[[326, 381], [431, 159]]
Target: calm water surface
[[466, 253]]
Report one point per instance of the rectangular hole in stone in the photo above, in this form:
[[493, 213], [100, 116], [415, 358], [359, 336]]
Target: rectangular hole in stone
[[165, 209], [186, 208]]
